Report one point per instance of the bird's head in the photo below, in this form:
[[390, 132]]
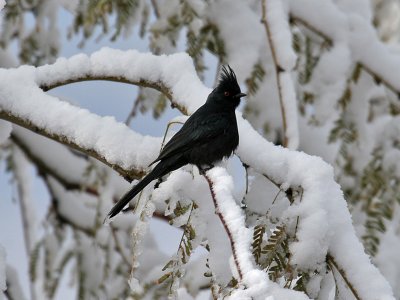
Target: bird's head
[[227, 91]]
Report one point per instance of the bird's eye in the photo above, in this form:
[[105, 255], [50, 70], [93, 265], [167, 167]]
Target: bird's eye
[[226, 94]]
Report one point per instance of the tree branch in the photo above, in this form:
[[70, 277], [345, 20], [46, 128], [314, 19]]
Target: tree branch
[[159, 86], [278, 70], [332, 263], [280, 164], [129, 175], [226, 227], [27, 214], [370, 70], [45, 168]]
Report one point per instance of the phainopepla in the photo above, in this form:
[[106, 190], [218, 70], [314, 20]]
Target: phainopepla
[[209, 135]]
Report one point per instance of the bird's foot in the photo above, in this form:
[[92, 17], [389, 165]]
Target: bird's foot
[[204, 169], [159, 181]]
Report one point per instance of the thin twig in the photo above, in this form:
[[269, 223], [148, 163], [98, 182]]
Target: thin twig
[[278, 70], [298, 218], [133, 112], [331, 262], [377, 77], [118, 244], [272, 181], [276, 197], [155, 8], [166, 132], [223, 221], [26, 221]]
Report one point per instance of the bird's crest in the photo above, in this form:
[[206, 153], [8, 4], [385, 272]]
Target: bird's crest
[[228, 78]]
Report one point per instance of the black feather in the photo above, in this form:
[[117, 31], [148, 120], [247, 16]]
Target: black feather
[[209, 135]]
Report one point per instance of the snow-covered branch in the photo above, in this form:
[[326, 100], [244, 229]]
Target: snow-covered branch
[[324, 224], [279, 38], [255, 281], [353, 30]]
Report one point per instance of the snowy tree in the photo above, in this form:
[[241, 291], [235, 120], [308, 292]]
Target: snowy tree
[[319, 142]]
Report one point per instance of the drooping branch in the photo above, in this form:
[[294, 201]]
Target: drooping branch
[[45, 168], [283, 57], [27, 212]]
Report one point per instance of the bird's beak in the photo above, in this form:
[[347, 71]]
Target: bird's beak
[[240, 95]]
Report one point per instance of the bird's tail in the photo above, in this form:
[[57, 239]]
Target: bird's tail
[[161, 169], [132, 193]]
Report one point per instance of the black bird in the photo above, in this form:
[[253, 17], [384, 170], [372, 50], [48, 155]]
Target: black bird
[[209, 135]]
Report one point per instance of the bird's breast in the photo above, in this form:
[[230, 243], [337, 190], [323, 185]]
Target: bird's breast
[[215, 149]]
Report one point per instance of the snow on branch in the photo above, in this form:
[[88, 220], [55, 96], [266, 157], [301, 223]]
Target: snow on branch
[[276, 24], [132, 67], [22, 102], [324, 226], [256, 281], [353, 30]]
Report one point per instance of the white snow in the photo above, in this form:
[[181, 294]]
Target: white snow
[[329, 81], [73, 206], [290, 106], [256, 281], [246, 26], [278, 24], [354, 30], [325, 221], [5, 131]]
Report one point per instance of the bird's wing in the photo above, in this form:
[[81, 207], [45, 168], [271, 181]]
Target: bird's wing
[[197, 130]]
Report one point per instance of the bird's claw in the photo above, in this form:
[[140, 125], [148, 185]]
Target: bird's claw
[[159, 181], [204, 169]]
